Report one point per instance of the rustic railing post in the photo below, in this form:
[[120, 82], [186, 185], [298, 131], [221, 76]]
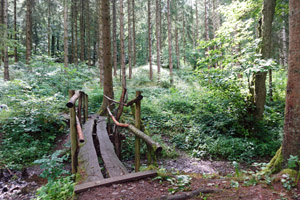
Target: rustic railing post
[[86, 107], [73, 135], [79, 107], [137, 139]]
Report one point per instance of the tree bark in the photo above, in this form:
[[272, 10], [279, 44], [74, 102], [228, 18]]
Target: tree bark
[[66, 51], [49, 28], [206, 24], [122, 45], [129, 40], [183, 36], [259, 78], [108, 80], [76, 33], [15, 31], [284, 44], [82, 31], [170, 42], [158, 39], [88, 30], [150, 41], [5, 22], [291, 140], [115, 37], [133, 34], [197, 23], [28, 31], [100, 48], [176, 39]]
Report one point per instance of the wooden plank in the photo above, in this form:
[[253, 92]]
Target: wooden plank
[[115, 180], [113, 165], [88, 159]]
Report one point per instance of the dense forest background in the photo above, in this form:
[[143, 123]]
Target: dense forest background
[[213, 73]]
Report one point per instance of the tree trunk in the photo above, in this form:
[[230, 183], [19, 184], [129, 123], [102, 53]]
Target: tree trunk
[[88, 30], [15, 31], [170, 42], [149, 40], [76, 33], [129, 39], [259, 78], [206, 24], [284, 44], [115, 37], [183, 36], [158, 39], [5, 22], [108, 80], [28, 31], [133, 35], [72, 32], [176, 39], [122, 45], [100, 48], [82, 31], [291, 140], [66, 51], [197, 23], [49, 28]]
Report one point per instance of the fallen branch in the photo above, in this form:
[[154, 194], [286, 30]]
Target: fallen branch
[[187, 195]]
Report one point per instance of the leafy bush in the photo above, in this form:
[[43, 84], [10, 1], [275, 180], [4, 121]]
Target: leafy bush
[[61, 188]]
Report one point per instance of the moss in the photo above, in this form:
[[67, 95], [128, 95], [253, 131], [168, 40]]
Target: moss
[[275, 165], [290, 172]]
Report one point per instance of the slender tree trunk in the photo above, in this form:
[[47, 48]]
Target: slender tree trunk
[[28, 31], [150, 41], [291, 140], [284, 46], [82, 31], [129, 40], [170, 41], [259, 78], [108, 80], [57, 42], [15, 31], [88, 30], [100, 48], [5, 22], [66, 51], [158, 38], [76, 33], [197, 22], [1, 22], [49, 28], [122, 45], [53, 44], [183, 36], [133, 35], [115, 37], [176, 39], [206, 24]]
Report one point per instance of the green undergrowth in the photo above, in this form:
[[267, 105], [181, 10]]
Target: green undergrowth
[[35, 99], [206, 114]]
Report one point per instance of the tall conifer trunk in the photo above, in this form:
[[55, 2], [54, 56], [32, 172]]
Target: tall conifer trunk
[[49, 28], [66, 51], [82, 31], [149, 40], [291, 140], [88, 30], [133, 33], [122, 45], [100, 41], [158, 38], [5, 16], [129, 40], [15, 31], [115, 37], [75, 32], [28, 31], [170, 42]]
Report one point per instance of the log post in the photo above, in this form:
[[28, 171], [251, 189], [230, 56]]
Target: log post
[[73, 135], [80, 107], [86, 107], [137, 142]]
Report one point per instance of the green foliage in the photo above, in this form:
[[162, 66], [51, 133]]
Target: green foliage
[[294, 163], [61, 188], [52, 166]]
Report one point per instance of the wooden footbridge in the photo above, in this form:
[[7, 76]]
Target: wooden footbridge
[[92, 141]]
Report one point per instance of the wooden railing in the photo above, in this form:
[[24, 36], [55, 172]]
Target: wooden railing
[[153, 147], [78, 116]]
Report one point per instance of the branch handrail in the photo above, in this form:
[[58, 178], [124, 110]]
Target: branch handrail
[[154, 145], [130, 103]]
